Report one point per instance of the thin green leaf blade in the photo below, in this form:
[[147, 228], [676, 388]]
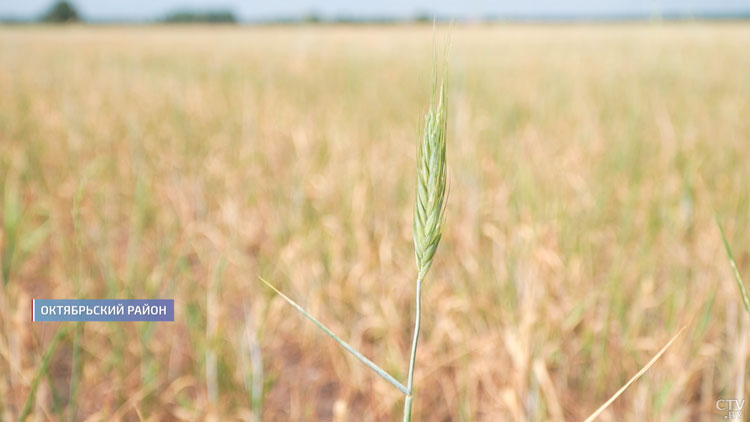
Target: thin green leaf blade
[[378, 370], [733, 264], [46, 359]]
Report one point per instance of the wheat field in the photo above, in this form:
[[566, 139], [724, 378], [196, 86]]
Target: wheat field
[[587, 163]]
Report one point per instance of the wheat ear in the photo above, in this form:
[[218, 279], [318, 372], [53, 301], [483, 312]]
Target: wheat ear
[[429, 209], [429, 217]]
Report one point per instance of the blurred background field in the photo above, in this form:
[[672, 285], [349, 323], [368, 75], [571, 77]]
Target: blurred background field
[[587, 162]]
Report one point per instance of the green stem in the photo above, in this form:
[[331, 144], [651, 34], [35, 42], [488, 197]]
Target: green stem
[[407, 408], [412, 360]]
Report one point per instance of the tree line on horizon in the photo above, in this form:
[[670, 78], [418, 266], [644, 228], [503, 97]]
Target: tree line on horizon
[[64, 11]]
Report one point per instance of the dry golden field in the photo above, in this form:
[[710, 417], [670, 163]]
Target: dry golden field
[[587, 163]]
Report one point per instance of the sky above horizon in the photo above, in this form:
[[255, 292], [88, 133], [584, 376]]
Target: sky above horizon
[[251, 10]]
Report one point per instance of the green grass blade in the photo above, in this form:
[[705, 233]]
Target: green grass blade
[[385, 375], [61, 333], [75, 371], [732, 262]]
